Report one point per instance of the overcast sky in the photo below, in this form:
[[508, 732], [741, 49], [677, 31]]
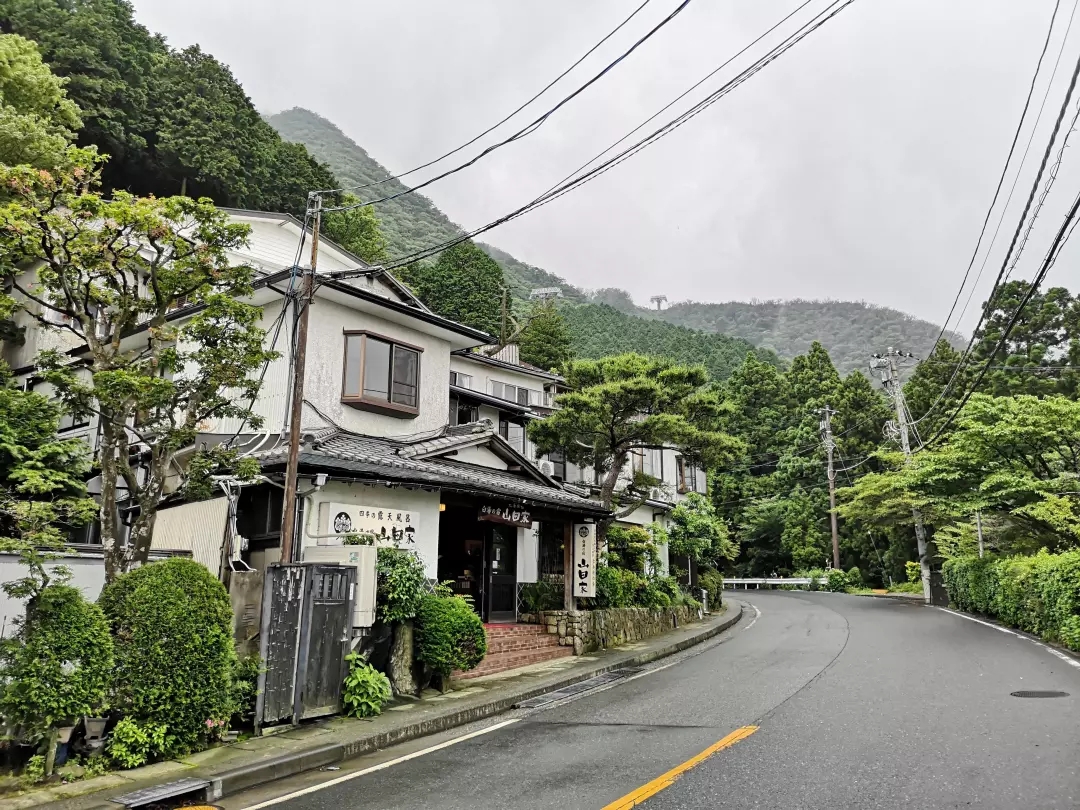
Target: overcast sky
[[858, 166]]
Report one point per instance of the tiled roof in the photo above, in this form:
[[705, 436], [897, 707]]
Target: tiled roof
[[386, 459]]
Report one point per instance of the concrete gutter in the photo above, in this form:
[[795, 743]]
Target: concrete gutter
[[356, 737]]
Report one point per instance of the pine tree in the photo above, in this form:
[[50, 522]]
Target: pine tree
[[545, 342], [465, 285]]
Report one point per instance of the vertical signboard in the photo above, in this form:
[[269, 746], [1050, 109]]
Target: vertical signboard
[[584, 573]]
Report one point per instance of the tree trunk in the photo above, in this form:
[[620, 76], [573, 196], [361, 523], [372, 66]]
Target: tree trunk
[[401, 669]]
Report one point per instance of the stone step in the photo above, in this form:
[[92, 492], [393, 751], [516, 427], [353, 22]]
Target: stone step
[[519, 642], [502, 662]]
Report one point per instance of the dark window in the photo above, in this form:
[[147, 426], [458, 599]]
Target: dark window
[[686, 474], [462, 413], [380, 374], [558, 464]]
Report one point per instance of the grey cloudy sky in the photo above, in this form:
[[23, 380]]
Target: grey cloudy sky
[[858, 166]]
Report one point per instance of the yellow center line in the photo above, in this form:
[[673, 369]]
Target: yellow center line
[[665, 780]]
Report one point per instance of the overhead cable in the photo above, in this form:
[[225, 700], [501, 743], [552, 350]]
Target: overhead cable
[[530, 128], [495, 126]]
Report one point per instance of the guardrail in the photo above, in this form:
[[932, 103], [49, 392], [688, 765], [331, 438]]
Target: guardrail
[[757, 582]]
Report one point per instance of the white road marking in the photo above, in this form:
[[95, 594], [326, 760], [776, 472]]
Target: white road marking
[[1068, 659], [758, 616], [381, 766]]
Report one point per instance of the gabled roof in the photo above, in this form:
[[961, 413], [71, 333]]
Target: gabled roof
[[489, 399], [423, 463], [521, 368]]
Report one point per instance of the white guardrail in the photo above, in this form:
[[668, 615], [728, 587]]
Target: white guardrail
[[757, 582]]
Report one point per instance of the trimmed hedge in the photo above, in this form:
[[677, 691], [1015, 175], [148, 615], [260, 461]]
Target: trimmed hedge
[[449, 635], [175, 658], [59, 665], [1039, 594]]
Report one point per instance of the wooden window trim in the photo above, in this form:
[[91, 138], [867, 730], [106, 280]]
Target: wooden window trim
[[384, 407]]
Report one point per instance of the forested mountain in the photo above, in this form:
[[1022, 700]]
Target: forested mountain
[[171, 121], [849, 330], [598, 330]]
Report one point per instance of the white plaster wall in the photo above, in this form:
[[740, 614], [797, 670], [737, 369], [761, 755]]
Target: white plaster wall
[[480, 456], [325, 362], [423, 504]]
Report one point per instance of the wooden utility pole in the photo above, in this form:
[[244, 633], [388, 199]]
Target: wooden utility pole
[[296, 411], [830, 447], [890, 379]]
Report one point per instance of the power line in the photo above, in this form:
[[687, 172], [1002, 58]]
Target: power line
[[664, 130], [530, 128], [495, 126], [1005, 168], [1019, 227], [1060, 240]]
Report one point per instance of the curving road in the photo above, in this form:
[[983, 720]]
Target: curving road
[[857, 703]]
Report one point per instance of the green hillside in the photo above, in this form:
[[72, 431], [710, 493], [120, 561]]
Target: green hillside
[[600, 330], [849, 330]]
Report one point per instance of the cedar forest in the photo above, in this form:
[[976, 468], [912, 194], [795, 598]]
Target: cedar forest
[[1012, 453]]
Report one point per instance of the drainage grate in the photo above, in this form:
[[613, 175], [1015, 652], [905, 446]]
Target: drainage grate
[[161, 792], [577, 688], [1037, 694]]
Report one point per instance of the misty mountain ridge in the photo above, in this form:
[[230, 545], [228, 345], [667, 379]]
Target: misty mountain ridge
[[849, 330]]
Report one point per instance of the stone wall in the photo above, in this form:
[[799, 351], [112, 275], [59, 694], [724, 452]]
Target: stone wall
[[589, 630]]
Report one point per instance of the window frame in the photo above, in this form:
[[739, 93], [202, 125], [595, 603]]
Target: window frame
[[387, 407]]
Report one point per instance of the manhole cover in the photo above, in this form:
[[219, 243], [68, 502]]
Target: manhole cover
[[1037, 694]]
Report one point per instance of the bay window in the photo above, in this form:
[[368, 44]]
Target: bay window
[[381, 375]]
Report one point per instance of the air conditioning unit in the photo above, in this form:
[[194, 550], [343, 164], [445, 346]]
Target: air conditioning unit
[[363, 559], [547, 468]]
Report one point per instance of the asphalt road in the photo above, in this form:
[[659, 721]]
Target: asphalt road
[[857, 703]]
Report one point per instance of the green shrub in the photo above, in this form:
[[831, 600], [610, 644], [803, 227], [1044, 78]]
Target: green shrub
[[854, 577], [132, 744], [816, 575], [713, 583], [836, 580], [58, 666], [401, 584], [913, 571], [615, 587], [905, 587], [449, 635], [245, 685], [366, 689], [540, 596], [1039, 594], [650, 594], [172, 624]]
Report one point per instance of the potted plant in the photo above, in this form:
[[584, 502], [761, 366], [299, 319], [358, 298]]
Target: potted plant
[[63, 733], [94, 727]]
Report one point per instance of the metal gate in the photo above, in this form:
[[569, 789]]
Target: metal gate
[[306, 622]]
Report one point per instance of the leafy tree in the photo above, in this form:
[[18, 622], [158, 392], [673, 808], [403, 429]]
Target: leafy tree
[[357, 230], [698, 533], [932, 377], [628, 402], [122, 266], [171, 121], [545, 340], [1014, 459], [466, 285], [42, 495], [37, 119]]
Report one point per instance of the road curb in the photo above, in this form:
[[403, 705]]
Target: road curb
[[231, 782]]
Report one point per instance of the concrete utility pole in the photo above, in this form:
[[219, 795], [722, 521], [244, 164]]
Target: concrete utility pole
[[659, 300], [830, 447], [890, 379], [978, 528], [296, 411]]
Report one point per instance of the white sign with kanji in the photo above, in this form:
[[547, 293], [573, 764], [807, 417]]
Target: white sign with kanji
[[584, 562], [390, 527]]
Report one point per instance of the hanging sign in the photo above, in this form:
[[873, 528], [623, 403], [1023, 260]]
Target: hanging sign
[[510, 515], [584, 572]]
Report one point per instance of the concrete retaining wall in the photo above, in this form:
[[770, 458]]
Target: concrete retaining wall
[[589, 630]]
